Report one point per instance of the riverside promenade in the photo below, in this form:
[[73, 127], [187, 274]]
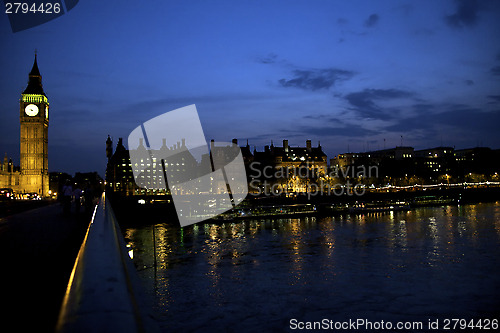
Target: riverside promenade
[[38, 248]]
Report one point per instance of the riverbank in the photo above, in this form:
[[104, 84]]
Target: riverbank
[[139, 210], [309, 204]]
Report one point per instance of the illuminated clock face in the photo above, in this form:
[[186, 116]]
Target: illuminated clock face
[[31, 110], [47, 112]]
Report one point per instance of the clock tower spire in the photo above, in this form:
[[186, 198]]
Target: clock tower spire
[[34, 119]]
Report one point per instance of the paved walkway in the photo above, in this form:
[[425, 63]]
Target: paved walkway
[[37, 251]]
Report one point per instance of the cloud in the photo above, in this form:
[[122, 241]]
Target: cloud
[[423, 107], [471, 119], [323, 118], [466, 120], [316, 79], [466, 15], [349, 131], [469, 82], [269, 59], [372, 20], [495, 70], [364, 104], [330, 126], [495, 97]]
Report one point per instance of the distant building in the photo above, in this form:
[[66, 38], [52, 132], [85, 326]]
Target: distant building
[[10, 176], [56, 182], [345, 160], [292, 157], [287, 168], [392, 161], [120, 169], [434, 161], [479, 160], [119, 174], [429, 165]]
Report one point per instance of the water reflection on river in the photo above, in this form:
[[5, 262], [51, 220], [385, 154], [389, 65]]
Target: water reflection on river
[[256, 275]]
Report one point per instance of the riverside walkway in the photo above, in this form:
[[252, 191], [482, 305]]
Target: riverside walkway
[[38, 249]]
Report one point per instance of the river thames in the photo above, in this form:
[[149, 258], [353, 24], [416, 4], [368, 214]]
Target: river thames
[[425, 265]]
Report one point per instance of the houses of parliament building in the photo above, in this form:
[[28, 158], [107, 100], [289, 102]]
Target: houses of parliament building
[[32, 175]]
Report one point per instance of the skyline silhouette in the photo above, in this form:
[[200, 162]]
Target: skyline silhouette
[[356, 77]]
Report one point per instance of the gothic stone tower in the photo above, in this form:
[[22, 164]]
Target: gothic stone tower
[[34, 119]]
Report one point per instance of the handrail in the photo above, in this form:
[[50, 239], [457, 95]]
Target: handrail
[[104, 292]]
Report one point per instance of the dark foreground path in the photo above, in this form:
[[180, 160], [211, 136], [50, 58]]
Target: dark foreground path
[[37, 251]]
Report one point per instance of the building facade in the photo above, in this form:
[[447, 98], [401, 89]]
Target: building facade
[[149, 168], [32, 176], [309, 162], [284, 169], [404, 165]]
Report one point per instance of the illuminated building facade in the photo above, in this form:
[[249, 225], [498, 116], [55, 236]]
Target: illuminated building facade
[[289, 168], [120, 169], [10, 177], [34, 118], [119, 175], [32, 175], [435, 161], [375, 158], [292, 157], [430, 165]]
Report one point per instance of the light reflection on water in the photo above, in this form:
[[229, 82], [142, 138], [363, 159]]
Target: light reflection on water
[[256, 275]]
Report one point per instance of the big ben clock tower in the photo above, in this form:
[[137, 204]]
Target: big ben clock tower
[[34, 119]]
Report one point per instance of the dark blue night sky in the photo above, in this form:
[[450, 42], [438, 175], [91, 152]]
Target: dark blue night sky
[[346, 73]]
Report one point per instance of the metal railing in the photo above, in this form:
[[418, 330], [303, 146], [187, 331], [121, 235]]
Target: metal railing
[[104, 292]]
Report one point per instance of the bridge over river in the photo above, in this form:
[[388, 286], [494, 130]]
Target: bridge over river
[[68, 273], [38, 248], [422, 266]]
